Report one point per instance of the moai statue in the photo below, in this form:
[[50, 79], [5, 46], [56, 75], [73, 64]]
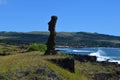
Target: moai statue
[[51, 40]]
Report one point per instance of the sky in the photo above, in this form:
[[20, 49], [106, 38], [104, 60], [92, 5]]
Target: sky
[[101, 16]]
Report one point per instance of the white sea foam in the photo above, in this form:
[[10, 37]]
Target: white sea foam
[[115, 61], [100, 55], [80, 51]]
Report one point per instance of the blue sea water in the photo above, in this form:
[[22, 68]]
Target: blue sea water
[[102, 53]]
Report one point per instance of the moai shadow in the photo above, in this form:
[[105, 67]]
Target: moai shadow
[[51, 40]]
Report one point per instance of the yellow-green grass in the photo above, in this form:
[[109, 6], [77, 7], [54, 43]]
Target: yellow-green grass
[[36, 59], [6, 37], [113, 41], [10, 49], [21, 62], [91, 68], [66, 74]]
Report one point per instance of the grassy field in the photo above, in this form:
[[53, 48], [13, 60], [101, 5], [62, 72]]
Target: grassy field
[[35, 66], [33, 60], [9, 50]]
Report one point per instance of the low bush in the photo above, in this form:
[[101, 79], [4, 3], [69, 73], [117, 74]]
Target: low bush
[[37, 47]]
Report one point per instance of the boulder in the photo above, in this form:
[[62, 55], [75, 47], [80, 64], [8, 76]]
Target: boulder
[[84, 58], [66, 63]]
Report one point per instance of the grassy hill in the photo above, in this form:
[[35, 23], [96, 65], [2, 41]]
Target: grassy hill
[[32, 66], [36, 66], [74, 39]]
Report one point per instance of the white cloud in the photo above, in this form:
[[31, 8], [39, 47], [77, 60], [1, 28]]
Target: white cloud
[[3, 2]]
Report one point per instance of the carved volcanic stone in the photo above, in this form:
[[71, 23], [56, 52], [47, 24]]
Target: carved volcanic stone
[[51, 40]]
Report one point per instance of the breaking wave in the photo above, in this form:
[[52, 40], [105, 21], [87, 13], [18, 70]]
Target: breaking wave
[[102, 56], [80, 51]]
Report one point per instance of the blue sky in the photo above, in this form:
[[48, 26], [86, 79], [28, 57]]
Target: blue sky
[[101, 16]]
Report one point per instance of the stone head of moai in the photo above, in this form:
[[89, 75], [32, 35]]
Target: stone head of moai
[[53, 18], [52, 23]]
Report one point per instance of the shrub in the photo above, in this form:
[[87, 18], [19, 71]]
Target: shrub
[[37, 47]]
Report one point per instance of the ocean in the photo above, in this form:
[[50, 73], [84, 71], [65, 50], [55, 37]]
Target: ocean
[[102, 53]]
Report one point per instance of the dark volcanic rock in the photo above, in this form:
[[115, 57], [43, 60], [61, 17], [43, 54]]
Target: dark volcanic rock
[[1, 77], [84, 58], [106, 63], [106, 76], [118, 72], [66, 63], [42, 73]]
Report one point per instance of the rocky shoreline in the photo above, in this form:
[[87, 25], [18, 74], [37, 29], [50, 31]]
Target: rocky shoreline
[[109, 73], [115, 75]]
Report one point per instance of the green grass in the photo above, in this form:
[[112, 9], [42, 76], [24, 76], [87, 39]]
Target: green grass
[[35, 60], [6, 37], [91, 68], [10, 49], [22, 62], [112, 41]]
